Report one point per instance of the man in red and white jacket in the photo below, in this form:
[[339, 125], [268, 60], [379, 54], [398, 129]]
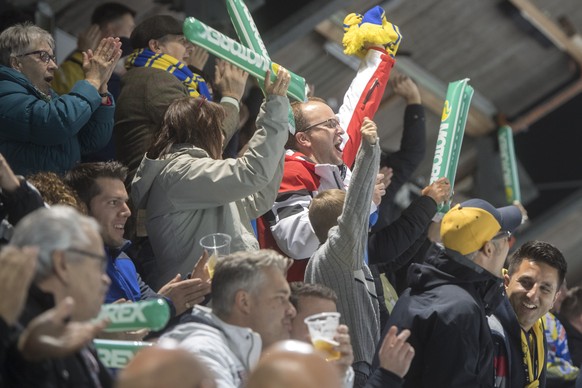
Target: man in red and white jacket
[[318, 157]]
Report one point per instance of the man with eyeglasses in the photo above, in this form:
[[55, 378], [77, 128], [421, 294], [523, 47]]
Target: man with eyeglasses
[[322, 150], [40, 130], [450, 295], [532, 281], [71, 262], [158, 75]]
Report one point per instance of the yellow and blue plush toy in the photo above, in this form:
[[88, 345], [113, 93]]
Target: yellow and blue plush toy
[[370, 29]]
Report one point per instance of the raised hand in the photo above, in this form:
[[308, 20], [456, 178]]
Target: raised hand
[[89, 39], [98, 65], [53, 335], [185, 293], [198, 57], [395, 353], [8, 181], [229, 79], [407, 89], [439, 190], [379, 189], [369, 131], [281, 84]]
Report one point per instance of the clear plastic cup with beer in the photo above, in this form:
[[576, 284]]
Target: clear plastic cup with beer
[[217, 245], [322, 328]]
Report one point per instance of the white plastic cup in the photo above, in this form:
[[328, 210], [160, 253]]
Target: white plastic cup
[[322, 328], [217, 245]]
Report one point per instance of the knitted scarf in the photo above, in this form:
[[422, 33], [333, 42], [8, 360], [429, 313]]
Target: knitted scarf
[[145, 58], [533, 354]]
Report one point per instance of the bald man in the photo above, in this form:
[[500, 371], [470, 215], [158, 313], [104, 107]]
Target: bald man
[[165, 367], [293, 364]]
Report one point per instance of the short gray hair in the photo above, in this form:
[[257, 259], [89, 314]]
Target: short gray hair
[[16, 40], [242, 271], [49, 229]]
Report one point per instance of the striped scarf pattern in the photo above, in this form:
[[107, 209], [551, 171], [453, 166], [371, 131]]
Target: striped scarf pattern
[[146, 58], [533, 354]]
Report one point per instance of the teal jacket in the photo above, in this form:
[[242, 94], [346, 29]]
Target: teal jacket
[[39, 135]]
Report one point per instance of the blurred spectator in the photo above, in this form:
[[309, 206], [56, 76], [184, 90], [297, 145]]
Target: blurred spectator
[[162, 366], [70, 263], [55, 191], [108, 20], [571, 317], [17, 199], [293, 364]]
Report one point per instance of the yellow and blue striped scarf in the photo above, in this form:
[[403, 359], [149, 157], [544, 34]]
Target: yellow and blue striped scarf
[[146, 58]]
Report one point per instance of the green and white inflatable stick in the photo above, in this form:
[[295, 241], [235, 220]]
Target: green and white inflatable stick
[[451, 131], [116, 354], [245, 27], [147, 314], [248, 34], [239, 55], [509, 164]]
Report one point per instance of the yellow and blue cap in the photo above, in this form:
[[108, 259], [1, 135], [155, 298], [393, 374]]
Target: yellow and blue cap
[[469, 225]]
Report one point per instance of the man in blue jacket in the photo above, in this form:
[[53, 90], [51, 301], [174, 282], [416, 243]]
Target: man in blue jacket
[[100, 186]]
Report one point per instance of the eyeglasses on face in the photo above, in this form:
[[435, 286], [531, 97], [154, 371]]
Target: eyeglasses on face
[[90, 255], [504, 234], [43, 55], [329, 123]]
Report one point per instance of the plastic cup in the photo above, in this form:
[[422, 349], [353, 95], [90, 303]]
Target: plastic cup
[[217, 245], [322, 328]]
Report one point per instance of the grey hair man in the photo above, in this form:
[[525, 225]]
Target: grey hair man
[[250, 311], [70, 263]]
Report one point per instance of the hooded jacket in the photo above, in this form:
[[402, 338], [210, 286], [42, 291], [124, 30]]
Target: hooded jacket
[[229, 351], [445, 309], [39, 135], [188, 195]]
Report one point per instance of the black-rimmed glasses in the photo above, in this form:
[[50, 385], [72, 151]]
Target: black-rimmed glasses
[[91, 255], [329, 123], [43, 55]]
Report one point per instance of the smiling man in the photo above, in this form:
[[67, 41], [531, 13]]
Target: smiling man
[[100, 186], [250, 311], [532, 282]]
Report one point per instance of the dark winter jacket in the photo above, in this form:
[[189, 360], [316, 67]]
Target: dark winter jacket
[[445, 309]]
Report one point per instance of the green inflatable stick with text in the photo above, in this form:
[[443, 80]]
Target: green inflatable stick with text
[[239, 55], [450, 137], [249, 35], [509, 164]]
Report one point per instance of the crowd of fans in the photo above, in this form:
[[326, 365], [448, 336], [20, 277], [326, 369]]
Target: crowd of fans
[[111, 171]]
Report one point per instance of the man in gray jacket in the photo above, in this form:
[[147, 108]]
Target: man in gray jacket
[[250, 311]]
